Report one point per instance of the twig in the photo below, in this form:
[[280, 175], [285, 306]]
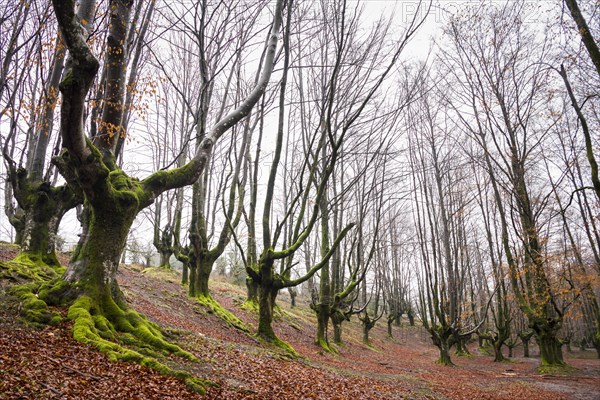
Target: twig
[[50, 388], [73, 358], [75, 370]]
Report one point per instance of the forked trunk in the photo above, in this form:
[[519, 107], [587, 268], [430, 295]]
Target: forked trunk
[[498, 356], [461, 345], [441, 339]]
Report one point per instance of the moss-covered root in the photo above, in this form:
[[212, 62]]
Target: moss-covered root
[[218, 310], [274, 340], [26, 268], [34, 310], [250, 305], [322, 343], [101, 326], [556, 369]]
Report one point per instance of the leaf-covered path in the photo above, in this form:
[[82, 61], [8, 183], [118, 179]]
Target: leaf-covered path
[[48, 364]]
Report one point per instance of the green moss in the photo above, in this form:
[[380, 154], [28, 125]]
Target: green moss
[[564, 369], [463, 353], [322, 343], [486, 351], [29, 267], [218, 310], [102, 330], [168, 275], [33, 309], [284, 346], [250, 305]]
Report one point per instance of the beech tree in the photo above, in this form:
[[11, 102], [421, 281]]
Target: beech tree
[[503, 86], [40, 205], [112, 197]]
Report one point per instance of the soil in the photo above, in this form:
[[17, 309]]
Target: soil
[[47, 363]]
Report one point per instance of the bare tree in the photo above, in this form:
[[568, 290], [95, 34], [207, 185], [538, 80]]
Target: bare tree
[[113, 197]]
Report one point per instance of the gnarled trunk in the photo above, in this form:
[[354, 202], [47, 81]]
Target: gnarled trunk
[[95, 270], [266, 302], [337, 318], [165, 257], [42, 216], [545, 332], [322, 324], [203, 269], [441, 337]]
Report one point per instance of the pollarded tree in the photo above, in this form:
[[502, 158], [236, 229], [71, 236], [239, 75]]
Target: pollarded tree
[[40, 205], [500, 309], [441, 213], [502, 80], [327, 138], [112, 197]]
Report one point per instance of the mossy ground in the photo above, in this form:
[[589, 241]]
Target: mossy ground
[[121, 333], [32, 279], [564, 369], [106, 331]]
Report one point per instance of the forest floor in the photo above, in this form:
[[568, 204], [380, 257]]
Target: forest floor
[[47, 363]]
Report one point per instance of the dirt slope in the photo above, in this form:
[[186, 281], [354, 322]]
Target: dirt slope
[[48, 363]]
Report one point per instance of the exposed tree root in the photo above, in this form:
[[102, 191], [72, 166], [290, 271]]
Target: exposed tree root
[[116, 330], [218, 310]]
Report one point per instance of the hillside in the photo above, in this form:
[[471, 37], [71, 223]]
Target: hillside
[[46, 363]]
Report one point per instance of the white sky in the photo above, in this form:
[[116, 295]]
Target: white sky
[[418, 49]]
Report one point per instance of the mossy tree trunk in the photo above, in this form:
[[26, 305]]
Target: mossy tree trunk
[[323, 309], [112, 198], [41, 205], [442, 339], [182, 255], [164, 259], [367, 324], [203, 269], [546, 336], [336, 320], [411, 317], [252, 290], [111, 216], [322, 338], [390, 321], [497, 341], [293, 294], [42, 208], [266, 301], [461, 344], [525, 340]]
